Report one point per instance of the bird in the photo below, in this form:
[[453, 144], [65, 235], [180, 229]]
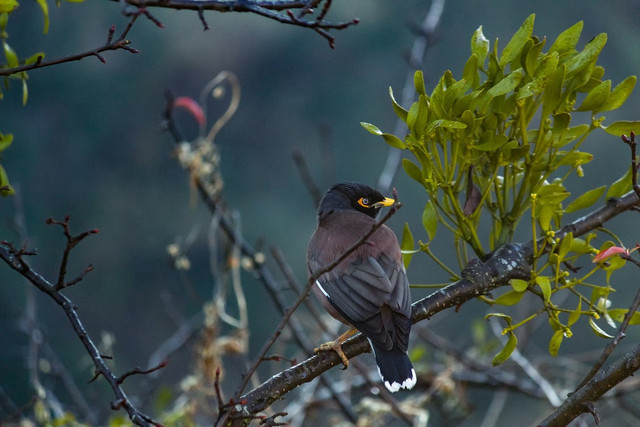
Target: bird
[[369, 289]]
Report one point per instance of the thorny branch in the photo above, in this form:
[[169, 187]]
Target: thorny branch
[[15, 258]]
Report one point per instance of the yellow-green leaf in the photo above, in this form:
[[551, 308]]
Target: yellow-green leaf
[[412, 170], [10, 54], [586, 200], [596, 98], [430, 219], [4, 182], [400, 112], [509, 83], [567, 39], [621, 186], [479, 45], [418, 82], [5, 141], [619, 94], [509, 298], [407, 245], [45, 11], [513, 49], [545, 286], [623, 127], [7, 6], [575, 314], [519, 285], [555, 342]]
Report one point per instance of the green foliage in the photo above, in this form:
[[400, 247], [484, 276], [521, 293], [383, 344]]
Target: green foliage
[[499, 141]]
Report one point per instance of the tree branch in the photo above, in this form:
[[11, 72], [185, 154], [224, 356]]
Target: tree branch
[[15, 259], [277, 10], [120, 43], [512, 261]]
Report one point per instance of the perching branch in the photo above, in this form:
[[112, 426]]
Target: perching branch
[[121, 43], [15, 258], [512, 261]]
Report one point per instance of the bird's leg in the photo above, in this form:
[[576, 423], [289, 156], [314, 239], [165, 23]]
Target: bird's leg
[[336, 346]]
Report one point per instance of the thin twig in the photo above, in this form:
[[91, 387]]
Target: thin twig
[[15, 259], [614, 342], [120, 43]]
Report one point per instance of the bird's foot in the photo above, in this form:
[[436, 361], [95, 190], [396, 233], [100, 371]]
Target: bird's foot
[[334, 346]]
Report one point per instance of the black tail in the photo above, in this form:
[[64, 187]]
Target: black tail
[[395, 368]]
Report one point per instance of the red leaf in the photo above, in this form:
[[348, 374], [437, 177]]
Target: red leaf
[[192, 107], [608, 253]]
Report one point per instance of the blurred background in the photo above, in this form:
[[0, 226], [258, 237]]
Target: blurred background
[[89, 144]]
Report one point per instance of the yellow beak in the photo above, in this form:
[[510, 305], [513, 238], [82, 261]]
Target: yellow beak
[[386, 202]]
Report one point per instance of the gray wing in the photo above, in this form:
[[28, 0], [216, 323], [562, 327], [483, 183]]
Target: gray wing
[[373, 295]]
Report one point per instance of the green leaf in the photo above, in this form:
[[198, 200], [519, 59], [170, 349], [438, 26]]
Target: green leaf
[[519, 285], [596, 98], [442, 123], [546, 70], [588, 55], [430, 219], [412, 170], [45, 11], [4, 182], [479, 45], [400, 112], [568, 39], [623, 127], [5, 141], [407, 245], [371, 128], [545, 287], [511, 343], [10, 54], [618, 315], [390, 139], [565, 245], [394, 141], [621, 186], [555, 342], [34, 58], [509, 83], [598, 330], [491, 142], [418, 82], [552, 95], [509, 298], [8, 6], [586, 200], [513, 49], [619, 94], [575, 314]]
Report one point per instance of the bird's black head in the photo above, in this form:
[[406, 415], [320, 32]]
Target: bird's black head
[[351, 195]]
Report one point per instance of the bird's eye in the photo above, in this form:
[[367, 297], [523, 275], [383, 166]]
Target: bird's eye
[[364, 202]]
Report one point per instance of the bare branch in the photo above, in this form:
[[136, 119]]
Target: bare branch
[[120, 44], [15, 259], [277, 10]]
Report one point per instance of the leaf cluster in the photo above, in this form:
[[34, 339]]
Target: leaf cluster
[[501, 140]]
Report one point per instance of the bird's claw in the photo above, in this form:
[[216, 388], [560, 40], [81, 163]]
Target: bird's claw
[[337, 347]]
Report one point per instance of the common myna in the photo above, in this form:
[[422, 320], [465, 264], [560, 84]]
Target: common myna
[[369, 289]]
